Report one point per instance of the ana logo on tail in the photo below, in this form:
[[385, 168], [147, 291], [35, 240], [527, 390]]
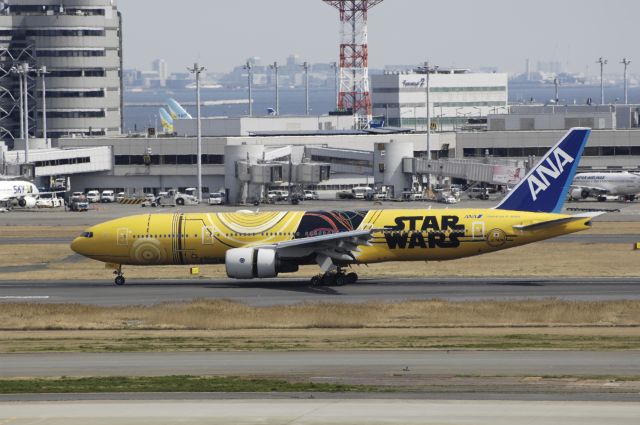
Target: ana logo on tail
[[545, 188], [539, 179]]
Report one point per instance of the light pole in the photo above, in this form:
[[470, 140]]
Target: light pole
[[22, 70], [626, 64], [336, 69], [305, 66], [275, 68], [602, 63], [42, 71], [197, 70], [16, 70], [556, 83], [249, 69]]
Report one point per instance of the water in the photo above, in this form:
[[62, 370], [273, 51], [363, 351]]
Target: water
[[292, 101]]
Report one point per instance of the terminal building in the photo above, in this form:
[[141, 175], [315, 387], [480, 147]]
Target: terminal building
[[74, 48], [457, 97]]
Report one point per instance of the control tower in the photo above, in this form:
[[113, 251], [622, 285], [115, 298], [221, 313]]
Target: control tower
[[354, 93]]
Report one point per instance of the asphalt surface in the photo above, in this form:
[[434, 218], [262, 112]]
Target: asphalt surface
[[329, 364], [291, 291], [331, 412]]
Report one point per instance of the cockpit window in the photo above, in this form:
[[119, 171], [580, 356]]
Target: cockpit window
[[87, 235]]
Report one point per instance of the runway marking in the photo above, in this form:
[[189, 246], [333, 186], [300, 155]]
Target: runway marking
[[36, 297]]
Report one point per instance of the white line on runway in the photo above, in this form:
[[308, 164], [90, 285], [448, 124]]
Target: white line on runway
[[36, 297]]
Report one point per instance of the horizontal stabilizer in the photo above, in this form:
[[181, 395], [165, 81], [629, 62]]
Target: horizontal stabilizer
[[552, 223]]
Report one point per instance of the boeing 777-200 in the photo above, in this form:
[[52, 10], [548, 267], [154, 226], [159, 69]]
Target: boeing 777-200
[[267, 244]]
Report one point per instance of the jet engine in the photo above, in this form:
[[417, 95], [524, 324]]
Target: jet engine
[[579, 194], [251, 263], [28, 202]]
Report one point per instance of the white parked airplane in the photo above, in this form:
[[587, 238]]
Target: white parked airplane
[[600, 185], [20, 193]]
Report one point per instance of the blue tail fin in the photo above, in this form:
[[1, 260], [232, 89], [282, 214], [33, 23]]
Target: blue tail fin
[[545, 188]]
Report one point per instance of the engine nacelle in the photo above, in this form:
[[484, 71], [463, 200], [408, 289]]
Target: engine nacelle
[[27, 202], [250, 263], [579, 194]]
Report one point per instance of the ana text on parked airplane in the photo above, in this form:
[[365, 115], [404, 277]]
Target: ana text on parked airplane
[[266, 244]]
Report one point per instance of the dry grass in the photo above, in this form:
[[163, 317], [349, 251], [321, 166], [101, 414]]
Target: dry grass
[[219, 315], [575, 338], [27, 255], [69, 232]]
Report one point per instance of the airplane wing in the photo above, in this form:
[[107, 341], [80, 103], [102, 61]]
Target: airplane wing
[[552, 223], [328, 249]]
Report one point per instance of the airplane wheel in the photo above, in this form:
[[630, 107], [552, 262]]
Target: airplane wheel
[[352, 278], [120, 280], [316, 281], [328, 280], [341, 280]]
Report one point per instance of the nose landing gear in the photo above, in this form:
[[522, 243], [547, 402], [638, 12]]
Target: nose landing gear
[[120, 280]]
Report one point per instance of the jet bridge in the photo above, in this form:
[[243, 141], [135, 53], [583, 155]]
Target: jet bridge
[[488, 170]]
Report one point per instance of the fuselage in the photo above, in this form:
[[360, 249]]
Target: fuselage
[[398, 235], [17, 189], [616, 184]]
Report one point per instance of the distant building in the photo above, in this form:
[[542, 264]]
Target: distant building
[[551, 117], [79, 42], [457, 97], [161, 68]]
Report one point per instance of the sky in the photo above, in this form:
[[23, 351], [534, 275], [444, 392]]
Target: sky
[[462, 33]]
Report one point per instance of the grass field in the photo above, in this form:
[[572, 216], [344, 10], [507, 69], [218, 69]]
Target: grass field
[[167, 384], [504, 338], [228, 326], [221, 315]]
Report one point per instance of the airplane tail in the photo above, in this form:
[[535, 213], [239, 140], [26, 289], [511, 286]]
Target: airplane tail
[[545, 188]]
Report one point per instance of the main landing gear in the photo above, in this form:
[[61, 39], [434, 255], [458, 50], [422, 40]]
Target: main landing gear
[[338, 278], [120, 280]]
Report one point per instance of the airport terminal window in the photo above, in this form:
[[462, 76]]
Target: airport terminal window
[[66, 32], [213, 159], [70, 93], [623, 150], [169, 159], [467, 104], [608, 151], [70, 53], [64, 161], [94, 72], [56, 9], [74, 114], [342, 161]]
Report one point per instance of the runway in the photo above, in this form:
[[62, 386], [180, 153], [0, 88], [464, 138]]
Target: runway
[[292, 291], [330, 412], [367, 367]]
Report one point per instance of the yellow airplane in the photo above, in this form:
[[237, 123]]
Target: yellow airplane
[[264, 245]]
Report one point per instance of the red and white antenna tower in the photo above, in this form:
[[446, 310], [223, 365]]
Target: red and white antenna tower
[[354, 57]]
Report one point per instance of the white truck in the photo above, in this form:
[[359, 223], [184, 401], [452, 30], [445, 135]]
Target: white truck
[[171, 198]]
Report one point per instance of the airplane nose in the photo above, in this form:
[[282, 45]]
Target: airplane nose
[[76, 246]]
